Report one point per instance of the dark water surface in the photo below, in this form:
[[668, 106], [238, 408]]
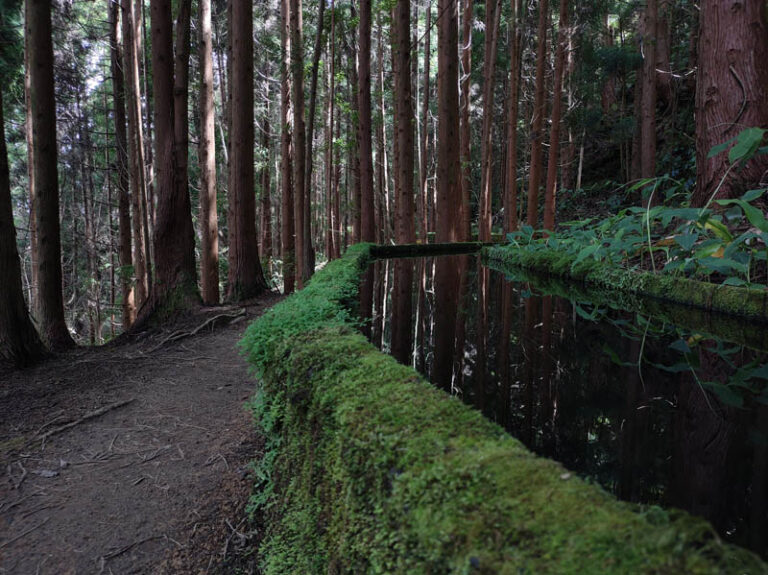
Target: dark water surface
[[654, 412]]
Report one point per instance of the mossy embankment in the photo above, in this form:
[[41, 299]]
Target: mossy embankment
[[369, 469], [740, 301]]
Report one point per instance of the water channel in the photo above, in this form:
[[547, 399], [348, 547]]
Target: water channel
[[656, 411]]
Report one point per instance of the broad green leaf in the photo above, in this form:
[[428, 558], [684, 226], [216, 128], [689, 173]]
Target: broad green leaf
[[687, 241], [754, 215], [747, 143], [720, 148], [752, 195], [724, 393]]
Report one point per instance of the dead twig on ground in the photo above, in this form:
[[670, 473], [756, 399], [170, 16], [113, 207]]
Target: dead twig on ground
[[86, 417], [121, 550], [177, 335], [25, 533]]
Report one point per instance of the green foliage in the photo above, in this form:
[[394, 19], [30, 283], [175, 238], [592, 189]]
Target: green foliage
[[371, 469]]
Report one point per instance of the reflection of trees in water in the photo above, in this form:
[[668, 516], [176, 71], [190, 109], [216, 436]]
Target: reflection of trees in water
[[609, 394]]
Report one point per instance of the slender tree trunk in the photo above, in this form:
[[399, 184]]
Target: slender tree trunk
[[510, 201], [493, 15], [311, 124], [401, 36], [365, 149], [174, 244], [557, 106], [451, 219], [246, 279], [731, 93], [123, 200], [136, 156], [663, 53], [209, 223], [648, 105], [286, 164], [19, 343], [330, 236], [539, 110], [50, 302], [265, 227], [28, 134], [354, 143], [465, 135], [296, 26], [424, 144]]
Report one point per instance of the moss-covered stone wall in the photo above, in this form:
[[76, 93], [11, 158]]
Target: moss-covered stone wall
[[369, 469], [739, 301]]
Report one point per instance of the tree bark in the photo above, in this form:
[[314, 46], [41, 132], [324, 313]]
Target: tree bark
[[424, 144], [136, 156], [401, 37], [28, 134], [50, 302], [286, 165], [465, 134], [330, 234], [246, 278], [451, 219], [365, 148], [539, 110], [174, 244], [265, 227], [311, 121], [123, 200], [731, 93], [648, 104], [557, 106], [209, 224], [493, 14], [20, 345], [303, 241], [510, 201]]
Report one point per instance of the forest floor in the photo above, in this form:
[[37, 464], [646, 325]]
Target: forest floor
[[132, 457]]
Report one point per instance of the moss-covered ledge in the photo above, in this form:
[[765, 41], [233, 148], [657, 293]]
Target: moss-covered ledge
[[369, 469], [750, 303]]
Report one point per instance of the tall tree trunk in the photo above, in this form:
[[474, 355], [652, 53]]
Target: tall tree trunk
[[465, 135], [246, 279], [365, 147], [209, 222], [288, 242], [663, 53], [401, 37], [557, 106], [510, 198], [330, 235], [136, 156], [19, 343], [303, 263], [50, 301], [174, 244], [123, 200], [648, 104], [451, 218], [354, 143], [28, 134], [493, 15], [424, 144], [539, 110], [311, 124], [731, 93], [181, 98], [265, 227]]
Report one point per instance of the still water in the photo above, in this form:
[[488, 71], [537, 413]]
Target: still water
[[655, 412]]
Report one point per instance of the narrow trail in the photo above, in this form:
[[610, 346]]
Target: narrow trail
[[151, 476]]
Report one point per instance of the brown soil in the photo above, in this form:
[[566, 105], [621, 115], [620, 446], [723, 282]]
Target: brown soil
[[157, 485]]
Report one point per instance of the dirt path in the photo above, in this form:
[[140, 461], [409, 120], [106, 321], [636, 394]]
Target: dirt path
[[156, 485]]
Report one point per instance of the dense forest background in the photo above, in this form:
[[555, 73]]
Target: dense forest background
[[262, 139]]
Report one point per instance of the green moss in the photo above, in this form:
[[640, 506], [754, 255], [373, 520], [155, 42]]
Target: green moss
[[738, 301], [371, 469]]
